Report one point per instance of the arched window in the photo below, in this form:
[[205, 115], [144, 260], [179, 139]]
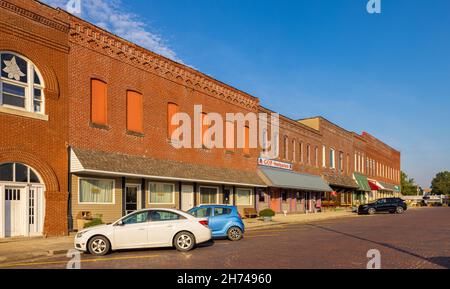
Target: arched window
[[18, 173], [21, 86]]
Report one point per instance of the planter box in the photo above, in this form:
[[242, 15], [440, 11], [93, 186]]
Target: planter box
[[81, 223]]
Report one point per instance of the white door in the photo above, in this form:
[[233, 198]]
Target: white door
[[133, 233], [14, 212], [187, 197]]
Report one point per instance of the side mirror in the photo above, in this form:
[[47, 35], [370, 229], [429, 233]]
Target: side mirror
[[120, 223]]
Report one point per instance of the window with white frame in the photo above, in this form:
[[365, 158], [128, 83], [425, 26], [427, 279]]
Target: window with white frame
[[324, 156], [244, 197], [96, 191], [161, 193], [332, 158], [21, 86], [208, 195]]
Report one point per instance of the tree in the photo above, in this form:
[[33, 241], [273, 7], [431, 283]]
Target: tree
[[441, 184], [409, 187]]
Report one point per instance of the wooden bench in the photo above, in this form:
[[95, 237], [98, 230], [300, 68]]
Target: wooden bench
[[250, 213]]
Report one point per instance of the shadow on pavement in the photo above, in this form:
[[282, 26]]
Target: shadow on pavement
[[440, 261]]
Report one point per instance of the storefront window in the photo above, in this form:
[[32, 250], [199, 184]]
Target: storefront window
[[161, 193], [244, 197], [93, 191], [208, 195]]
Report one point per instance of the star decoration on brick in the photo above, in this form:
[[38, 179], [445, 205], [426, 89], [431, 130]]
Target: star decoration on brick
[[13, 69]]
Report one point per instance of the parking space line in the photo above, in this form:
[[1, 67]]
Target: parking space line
[[81, 261], [256, 236]]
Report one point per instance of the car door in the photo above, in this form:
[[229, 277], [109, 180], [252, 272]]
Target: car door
[[219, 220], [382, 205], [162, 227], [132, 232]]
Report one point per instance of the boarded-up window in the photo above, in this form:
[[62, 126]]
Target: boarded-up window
[[99, 102], [134, 112], [172, 110], [204, 126], [247, 141]]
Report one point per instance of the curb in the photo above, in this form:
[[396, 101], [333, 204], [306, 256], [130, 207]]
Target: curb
[[28, 256], [263, 226]]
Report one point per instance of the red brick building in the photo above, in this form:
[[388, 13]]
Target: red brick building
[[122, 98], [86, 126], [34, 51]]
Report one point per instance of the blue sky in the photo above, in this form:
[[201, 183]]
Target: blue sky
[[386, 74]]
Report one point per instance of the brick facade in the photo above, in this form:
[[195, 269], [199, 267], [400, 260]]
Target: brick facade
[[40, 34], [71, 52]]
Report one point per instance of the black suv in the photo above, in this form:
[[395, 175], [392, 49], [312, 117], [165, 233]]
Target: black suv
[[391, 205]]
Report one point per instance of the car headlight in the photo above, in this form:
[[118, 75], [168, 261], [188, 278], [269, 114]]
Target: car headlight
[[80, 234]]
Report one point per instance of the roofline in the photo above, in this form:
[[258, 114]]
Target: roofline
[[291, 120], [184, 66]]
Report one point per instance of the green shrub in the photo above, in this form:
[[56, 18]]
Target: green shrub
[[267, 213], [94, 222]]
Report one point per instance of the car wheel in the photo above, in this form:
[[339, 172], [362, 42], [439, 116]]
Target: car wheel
[[99, 246], [235, 234], [399, 210], [184, 241], [372, 211]]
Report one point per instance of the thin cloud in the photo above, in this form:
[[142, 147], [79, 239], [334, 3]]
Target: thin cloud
[[110, 16]]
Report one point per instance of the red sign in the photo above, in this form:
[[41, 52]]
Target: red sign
[[274, 164]]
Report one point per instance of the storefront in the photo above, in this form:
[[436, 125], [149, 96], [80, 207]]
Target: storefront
[[363, 194], [108, 186], [384, 190], [344, 187], [291, 192]]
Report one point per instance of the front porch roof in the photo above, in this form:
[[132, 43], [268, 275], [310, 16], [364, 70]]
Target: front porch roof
[[114, 164], [278, 178]]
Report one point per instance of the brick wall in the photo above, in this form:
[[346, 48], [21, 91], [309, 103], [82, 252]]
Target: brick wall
[[38, 33], [124, 66]]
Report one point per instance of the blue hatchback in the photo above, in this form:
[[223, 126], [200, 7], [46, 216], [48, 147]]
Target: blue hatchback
[[224, 221]]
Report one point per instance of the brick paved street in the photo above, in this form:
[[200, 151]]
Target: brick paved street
[[418, 239]]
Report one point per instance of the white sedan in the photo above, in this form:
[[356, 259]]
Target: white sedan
[[148, 228]]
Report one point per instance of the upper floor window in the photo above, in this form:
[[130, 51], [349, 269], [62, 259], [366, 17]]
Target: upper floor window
[[341, 161], [332, 159], [324, 156], [99, 102], [294, 151], [247, 140], [135, 112], [316, 156], [286, 148], [308, 154], [301, 152], [21, 85]]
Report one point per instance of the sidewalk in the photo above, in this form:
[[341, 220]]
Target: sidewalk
[[255, 224], [12, 250]]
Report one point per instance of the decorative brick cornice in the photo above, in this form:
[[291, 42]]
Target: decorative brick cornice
[[92, 37], [33, 16]]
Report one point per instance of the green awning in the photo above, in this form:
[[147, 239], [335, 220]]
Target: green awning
[[362, 182], [278, 178]]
